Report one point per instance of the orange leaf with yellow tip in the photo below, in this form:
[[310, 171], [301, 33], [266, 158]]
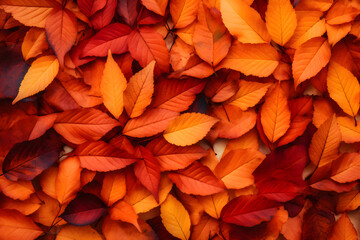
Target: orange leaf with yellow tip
[[41, 73], [139, 91], [113, 85], [280, 20], [175, 218], [275, 114], [344, 88], [325, 143], [34, 43], [213, 204], [14, 225], [243, 22], [188, 128]]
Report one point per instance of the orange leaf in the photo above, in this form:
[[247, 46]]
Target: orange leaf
[[34, 43], [280, 20], [348, 201], [236, 167], [14, 225], [336, 32], [113, 85], [211, 38], [249, 94], [344, 88], [341, 12], [345, 168], [61, 31], [20, 189], [251, 59], [213, 204], [171, 157], [243, 22], [25, 207], [310, 58], [188, 128], [81, 125], [79, 233], [322, 111], [205, 229], [49, 210], [68, 180], [152, 122], [157, 6], [183, 12], [343, 229], [113, 187], [124, 212], [103, 157], [197, 179], [275, 114], [350, 133], [325, 143], [48, 181], [139, 91]]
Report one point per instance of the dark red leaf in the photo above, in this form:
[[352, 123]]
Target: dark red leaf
[[90, 7], [28, 159], [83, 210], [317, 224], [128, 10]]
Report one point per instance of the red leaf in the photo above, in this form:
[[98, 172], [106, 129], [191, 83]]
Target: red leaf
[[128, 10], [113, 37], [28, 159], [148, 172], [89, 7], [61, 32], [249, 211], [103, 157], [83, 210], [172, 157], [103, 17], [81, 125], [197, 179]]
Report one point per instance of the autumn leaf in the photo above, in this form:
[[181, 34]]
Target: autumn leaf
[[85, 232], [343, 228], [41, 73], [113, 187], [188, 128], [34, 43], [183, 12]]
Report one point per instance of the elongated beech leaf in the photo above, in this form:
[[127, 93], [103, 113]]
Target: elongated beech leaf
[[83, 210], [28, 159]]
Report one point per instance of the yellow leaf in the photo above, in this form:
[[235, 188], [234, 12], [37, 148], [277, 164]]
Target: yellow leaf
[[68, 180], [213, 204], [251, 59], [139, 91], [249, 94], [325, 143], [349, 132], [34, 43], [243, 22], [188, 128], [344, 88], [175, 218], [280, 20], [41, 73], [275, 114], [309, 25], [71, 232], [310, 58], [113, 85]]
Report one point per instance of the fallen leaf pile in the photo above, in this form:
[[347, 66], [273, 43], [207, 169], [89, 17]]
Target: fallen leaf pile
[[179, 119]]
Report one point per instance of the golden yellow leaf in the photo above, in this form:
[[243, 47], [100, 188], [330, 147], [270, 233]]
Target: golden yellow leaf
[[310, 58], [280, 20], [71, 232], [34, 43], [309, 25], [251, 59], [139, 91], [113, 85], [41, 73], [249, 94], [325, 143], [175, 218], [243, 22], [213, 204], [344, 88], [349, 132], [275, 114], [188, 128]]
